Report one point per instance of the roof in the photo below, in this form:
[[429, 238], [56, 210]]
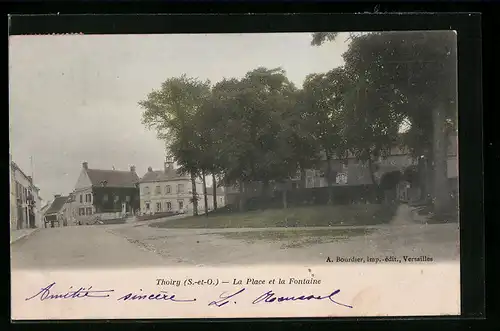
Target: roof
[[113, 178], [15, 166], [56, 205], [163, 176], [45, 207]]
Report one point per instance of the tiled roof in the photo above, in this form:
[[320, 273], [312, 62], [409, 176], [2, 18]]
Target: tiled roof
[[113, 178], [163, 176], [56, 205]]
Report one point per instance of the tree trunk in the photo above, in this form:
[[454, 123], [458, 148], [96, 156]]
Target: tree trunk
[[328, 178], [424, 168], [265, 189], [371, 170], [195, 195], [422, 176], [374, 181], [242, 196], [440, 149], [205, 197], [285, 200], [214, 192], [302, 177]]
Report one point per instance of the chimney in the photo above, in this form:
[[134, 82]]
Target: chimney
[[132, 168], [150, 169], [57, 196], [85, 165]]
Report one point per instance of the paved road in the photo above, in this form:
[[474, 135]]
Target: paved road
[[136, 245], [82, 246], [215, 247]]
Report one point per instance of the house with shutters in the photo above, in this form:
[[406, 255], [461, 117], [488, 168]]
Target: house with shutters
[[25, 201], [106, 194], [169, 190]]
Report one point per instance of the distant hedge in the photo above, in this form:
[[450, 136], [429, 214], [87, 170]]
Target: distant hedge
[[341, 195]]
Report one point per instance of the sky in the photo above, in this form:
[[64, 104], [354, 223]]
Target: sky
[[74, 98]]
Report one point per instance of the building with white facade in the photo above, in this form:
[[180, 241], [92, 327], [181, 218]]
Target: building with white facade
[[168, 190], [103, 194], [25, 201]]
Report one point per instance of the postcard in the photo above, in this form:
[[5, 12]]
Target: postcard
[[234, 175]]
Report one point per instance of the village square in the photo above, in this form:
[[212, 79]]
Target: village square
[[358, 162]]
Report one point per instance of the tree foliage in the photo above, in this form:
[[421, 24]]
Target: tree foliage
[[262, 128], [402, 78], [172, 111]]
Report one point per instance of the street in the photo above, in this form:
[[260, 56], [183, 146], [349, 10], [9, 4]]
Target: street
[[138, 245]]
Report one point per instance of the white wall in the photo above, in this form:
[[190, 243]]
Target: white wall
[[83, 181], [38, 207], [13, 204], [26, 184], [76, 205], [452, 167], [149, 194]]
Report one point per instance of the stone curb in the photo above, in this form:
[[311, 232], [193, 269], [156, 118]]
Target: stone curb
[[24, 236]]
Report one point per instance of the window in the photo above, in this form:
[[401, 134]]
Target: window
[[180, 188], [105, 198], [81, 211], [88, 197], [147, 205], [158, 190], [146, 190], [158, 206], [169, 206], [117, 198], [89, 211], [127, 198], [168, 189], [81, 198], [181, 203]]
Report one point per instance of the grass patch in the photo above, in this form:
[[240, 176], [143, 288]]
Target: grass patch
[[363, 214], [112, 221], [450, 214], [296, 238]]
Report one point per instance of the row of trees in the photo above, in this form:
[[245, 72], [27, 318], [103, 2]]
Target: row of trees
[[263, 128]]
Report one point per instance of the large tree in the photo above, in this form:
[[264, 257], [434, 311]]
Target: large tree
[[415, 72], [371, 124], [171, 110], [251, 129], [324, 101]]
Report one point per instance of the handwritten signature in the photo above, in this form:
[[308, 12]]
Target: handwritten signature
[[224, 298], [82, 292], [270, 297]]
